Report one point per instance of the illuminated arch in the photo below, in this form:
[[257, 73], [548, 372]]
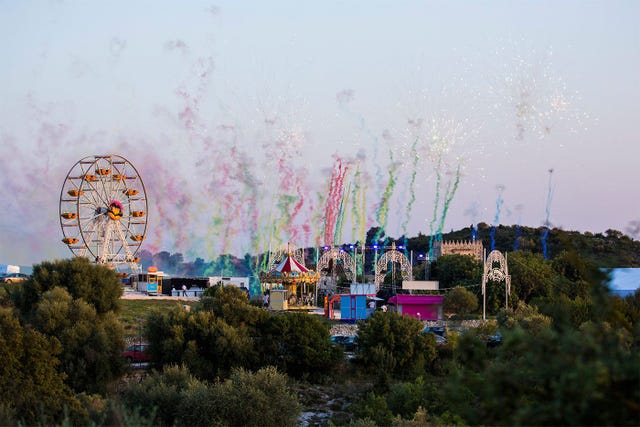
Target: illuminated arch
[[393, 255], [495, 274], [335, 255]]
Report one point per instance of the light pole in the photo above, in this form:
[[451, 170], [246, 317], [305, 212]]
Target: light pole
[[375, 265], [355, 263], [426, 264]]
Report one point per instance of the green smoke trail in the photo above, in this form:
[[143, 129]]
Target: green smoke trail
[[451, 191], [412, 195], [363, 214], [319, 219], [355, 217], [358, 206], [382, 212], [436, 203], [285, 204], [337, 233]]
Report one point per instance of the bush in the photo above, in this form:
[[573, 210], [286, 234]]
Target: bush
[[175, 397], [398, 338], [257, 399], [460, 301]]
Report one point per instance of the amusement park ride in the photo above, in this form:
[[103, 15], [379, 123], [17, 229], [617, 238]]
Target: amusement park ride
[[103, 211], [103, 216]]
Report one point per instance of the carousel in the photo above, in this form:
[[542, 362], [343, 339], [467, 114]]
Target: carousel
[[290, 285]]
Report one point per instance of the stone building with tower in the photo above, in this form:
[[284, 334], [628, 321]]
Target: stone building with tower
[[472, 248]]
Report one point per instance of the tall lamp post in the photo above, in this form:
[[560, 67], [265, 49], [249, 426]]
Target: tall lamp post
[[426, 264]]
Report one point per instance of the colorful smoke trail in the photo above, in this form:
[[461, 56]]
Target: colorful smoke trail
[[382, 211], [412, 183], [472, 211], [436, 203], [334, 201], [449, 194], [496, 219], [445, 154], [358, 206], [228, 178]]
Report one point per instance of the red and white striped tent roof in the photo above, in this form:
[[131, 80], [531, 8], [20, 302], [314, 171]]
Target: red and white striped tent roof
[[289, 265]]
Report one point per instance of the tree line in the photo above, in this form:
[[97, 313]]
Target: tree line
[[611, 249]]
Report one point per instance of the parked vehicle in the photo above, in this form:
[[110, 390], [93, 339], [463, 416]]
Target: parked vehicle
[[15, 277], [347, 342], [438, 330], [440, 340], [137, 353], [493, 340]]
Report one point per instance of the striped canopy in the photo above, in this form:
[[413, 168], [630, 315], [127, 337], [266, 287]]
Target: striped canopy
[[289, 265]]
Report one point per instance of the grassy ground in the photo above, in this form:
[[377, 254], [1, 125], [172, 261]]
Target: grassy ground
[[134, 309]]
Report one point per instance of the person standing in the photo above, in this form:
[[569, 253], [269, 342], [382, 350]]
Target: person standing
[[184, 290]]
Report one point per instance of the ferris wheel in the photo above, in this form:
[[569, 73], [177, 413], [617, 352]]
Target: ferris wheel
[[103, 210]]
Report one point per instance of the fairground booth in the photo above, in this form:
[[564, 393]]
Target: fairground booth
[[422, 307], [290, 285]]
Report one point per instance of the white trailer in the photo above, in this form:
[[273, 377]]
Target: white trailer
[[8, 269], [240, 282]]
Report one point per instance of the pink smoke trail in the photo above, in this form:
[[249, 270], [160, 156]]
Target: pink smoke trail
[[334, 198]]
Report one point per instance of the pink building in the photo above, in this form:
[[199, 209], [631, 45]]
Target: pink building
[[422, 307]]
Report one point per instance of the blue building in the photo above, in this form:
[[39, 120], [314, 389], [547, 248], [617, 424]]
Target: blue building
[[624, 281]]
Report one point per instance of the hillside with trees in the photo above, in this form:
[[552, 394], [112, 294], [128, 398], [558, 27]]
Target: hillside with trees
[[568, 352], [611, 249]]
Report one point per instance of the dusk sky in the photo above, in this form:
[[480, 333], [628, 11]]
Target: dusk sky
[[258, 123]]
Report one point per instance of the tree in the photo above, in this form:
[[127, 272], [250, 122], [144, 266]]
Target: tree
[[524, 316], [95, 284], [175, 397], [203, 340], [91, 343], [297, 343], [213, 347], [162, 261], [570, 377], [579, 292], [458, 270], [32, 389], [531, 275], [165, 331], [167, 397], [460, 301], [397, 337], [229, 303], [75, 301], [262, 398]]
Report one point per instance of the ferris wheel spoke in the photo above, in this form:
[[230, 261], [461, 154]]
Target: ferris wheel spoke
[[125, 244]]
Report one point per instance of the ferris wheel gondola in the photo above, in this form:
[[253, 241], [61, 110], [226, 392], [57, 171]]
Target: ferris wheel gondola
[[103, 210]]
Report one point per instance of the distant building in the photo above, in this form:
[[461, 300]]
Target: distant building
[[239, 281], [471, 248]]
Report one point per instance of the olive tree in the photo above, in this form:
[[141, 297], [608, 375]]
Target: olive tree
[[32, 388], [76, 302], [96, 284], [460, 301], [395, 342]]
